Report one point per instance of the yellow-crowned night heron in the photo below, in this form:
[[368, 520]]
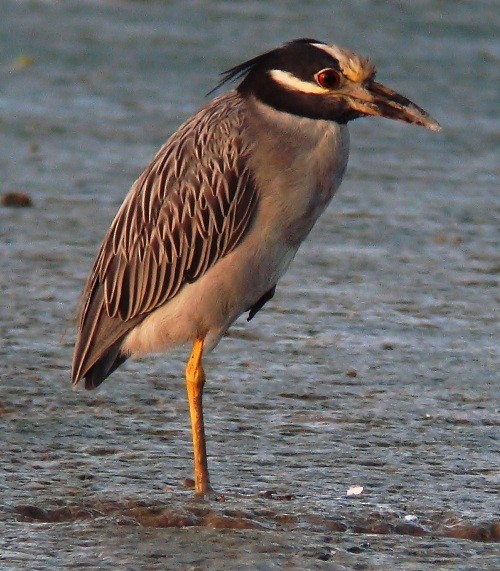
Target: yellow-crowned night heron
[[214, 221]]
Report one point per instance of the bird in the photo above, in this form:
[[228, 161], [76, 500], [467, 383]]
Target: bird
[[214, 221]]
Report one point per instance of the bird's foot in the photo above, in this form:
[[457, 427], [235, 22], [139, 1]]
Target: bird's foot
[[204, 491]]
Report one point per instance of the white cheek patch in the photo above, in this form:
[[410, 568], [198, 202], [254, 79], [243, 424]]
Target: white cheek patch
[[293, 83]]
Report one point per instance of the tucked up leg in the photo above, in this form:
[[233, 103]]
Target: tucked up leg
[[195, 379]]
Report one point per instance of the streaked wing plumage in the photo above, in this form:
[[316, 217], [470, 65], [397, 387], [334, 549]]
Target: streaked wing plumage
[[190, 207]]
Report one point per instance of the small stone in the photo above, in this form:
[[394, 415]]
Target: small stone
[[16, 200]]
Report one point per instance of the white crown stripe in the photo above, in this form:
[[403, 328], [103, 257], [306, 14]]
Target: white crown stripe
[[354, 67], [293, 83], [332, 50]]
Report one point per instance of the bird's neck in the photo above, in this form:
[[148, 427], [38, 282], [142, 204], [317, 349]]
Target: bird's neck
[[302, 160]]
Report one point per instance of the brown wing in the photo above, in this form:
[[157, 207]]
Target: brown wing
[[189, 208]]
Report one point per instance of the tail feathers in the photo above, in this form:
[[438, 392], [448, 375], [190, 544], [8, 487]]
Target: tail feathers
[[102, 368], [98, 346]]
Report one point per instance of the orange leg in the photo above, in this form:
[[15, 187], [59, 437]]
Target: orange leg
[[195, 379]]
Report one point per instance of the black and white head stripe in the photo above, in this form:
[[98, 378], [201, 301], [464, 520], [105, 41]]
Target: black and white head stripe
[[352, 66], [279, 58], [286, 79], [301, 59]]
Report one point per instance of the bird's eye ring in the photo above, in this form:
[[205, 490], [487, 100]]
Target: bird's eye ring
[[328, 78]]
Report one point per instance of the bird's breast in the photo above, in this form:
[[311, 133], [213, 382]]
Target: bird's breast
[[298, 164]]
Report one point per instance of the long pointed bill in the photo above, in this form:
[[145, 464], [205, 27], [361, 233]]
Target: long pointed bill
[[380, 101]]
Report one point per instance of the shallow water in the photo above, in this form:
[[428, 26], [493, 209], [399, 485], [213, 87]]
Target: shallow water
[[375, 365]]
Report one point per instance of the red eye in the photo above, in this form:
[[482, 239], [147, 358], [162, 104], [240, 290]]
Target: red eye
[[329, 78]]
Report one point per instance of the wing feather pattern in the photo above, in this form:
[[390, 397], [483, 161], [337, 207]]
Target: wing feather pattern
[[189, 208]]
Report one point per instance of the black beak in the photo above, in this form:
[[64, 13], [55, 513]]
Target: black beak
[[377, 100]]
